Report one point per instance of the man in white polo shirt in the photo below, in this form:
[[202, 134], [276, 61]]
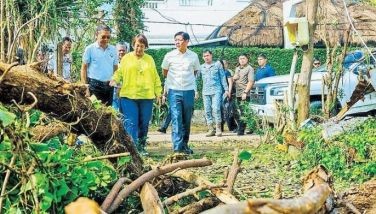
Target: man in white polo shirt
[[179, 67], [99, 62]]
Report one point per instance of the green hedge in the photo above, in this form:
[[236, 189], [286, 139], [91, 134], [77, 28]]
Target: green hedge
[[279, 59]]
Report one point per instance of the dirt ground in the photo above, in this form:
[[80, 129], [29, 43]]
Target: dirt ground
[[258, 176]]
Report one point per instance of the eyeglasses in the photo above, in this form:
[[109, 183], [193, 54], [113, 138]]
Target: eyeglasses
[[106, 37], [316, 63]]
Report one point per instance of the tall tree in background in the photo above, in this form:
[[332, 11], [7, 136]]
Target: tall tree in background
[[128, 19], [30, 23], [304, 80]]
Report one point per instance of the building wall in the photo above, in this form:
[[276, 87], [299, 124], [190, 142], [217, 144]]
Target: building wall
[[163, 18]]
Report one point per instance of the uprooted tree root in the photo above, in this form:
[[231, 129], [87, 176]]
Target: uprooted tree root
[[67, 102], [363, 198]]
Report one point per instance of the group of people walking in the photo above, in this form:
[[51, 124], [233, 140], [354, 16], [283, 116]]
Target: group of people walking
[[130, 82], [225, 92]]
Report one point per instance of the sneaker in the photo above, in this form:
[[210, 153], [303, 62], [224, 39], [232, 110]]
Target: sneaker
[[162, 130], [188, 151], [249, 132], [239, 133]]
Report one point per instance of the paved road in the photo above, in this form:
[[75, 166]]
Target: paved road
[[160, 144], [155, 137]]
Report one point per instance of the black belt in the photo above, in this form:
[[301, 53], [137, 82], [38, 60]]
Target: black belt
[[99, 84]]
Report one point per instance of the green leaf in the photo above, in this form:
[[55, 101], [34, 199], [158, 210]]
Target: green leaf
[[54, 142], [62, 190], [123, 160], [39, 147], [46, 201], [245, 155], [34, 117], [203, 194], [6, 117]]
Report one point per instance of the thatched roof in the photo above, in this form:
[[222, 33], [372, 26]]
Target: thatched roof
[[261, 23]]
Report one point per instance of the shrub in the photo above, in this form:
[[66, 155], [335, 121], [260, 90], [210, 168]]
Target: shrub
[[350, 156]]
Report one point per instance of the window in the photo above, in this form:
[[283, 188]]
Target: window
[[195, 2], [152, 4]]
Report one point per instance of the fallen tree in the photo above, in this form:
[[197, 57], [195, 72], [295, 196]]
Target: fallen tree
[[311, 202], [67, 102]]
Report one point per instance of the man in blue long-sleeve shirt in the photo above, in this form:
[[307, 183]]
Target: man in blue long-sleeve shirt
[[264, 70], [213, 85]]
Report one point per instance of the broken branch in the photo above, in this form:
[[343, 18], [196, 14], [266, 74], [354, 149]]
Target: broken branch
[[7, 175], [222, 195], [107, 157], [188, 192], [233, 172], [113, 193], [123, 194], [151, 203]]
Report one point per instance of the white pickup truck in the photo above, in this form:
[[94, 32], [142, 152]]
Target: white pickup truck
[[269, 90]]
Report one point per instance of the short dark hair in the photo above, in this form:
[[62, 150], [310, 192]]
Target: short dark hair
[[316, 59], [207, 51], [262, 55], [122, 44], [67, 39], [244, 54], [142, 39], [103, 27], [183, 34]]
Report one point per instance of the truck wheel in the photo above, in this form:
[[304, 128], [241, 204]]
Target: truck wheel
[[315, 108]]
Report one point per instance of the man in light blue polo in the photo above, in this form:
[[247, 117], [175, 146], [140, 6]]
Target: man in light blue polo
[[99, 62], [180, 66]]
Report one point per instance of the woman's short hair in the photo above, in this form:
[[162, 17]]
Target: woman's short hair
[[142, 39]]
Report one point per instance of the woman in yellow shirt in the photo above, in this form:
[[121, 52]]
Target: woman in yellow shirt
[[140, 86]]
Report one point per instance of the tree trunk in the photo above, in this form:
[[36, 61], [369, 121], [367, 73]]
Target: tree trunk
[[67, 102], [151, 203], [311, 202], [304, 80], [290, 93], [2, 28]]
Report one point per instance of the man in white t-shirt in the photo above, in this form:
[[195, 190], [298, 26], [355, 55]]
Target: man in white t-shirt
[[180, 66]]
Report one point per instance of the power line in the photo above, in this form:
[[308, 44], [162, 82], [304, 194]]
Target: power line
[[356, 32]]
